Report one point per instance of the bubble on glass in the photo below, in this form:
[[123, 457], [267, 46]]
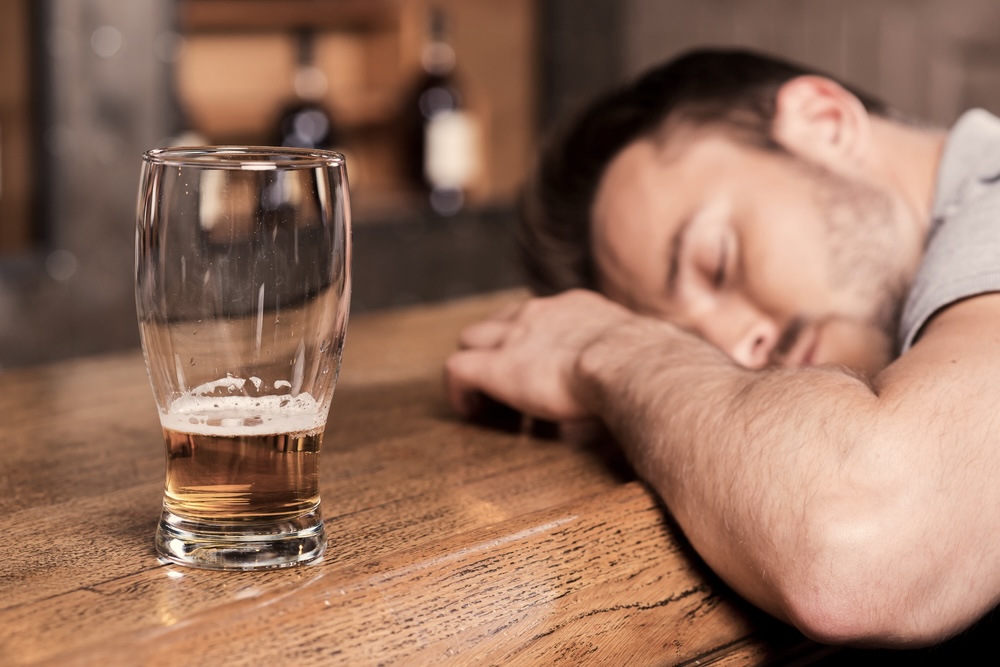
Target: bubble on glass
[[106, 41]]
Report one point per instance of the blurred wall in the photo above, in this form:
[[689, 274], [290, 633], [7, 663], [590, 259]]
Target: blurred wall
[[107, 83], [106, 79], [105, 88], [931, 59], [582, 54]]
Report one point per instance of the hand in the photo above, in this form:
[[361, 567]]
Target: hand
[[526, 355]]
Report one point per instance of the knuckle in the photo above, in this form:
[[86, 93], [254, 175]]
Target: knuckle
[[453, 367]]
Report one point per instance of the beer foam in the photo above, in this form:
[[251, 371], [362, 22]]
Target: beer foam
[[243, 415]]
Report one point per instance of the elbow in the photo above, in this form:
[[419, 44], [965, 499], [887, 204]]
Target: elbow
[[864, 588], [843, 617], [830, 612]]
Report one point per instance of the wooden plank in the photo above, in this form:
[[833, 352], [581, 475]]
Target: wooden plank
[[449, 542], [599, 580], [246, 15]]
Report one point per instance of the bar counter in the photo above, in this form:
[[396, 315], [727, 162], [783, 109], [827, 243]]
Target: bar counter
[[449, 542]]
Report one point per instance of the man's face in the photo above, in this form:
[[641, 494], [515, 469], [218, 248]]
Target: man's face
[[774, 260]]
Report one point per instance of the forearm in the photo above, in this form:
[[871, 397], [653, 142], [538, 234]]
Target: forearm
[[738, 456], [860, 512]]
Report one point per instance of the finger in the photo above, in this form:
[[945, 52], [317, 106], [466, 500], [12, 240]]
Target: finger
[[488, 334], [508, 312], [463, 387]]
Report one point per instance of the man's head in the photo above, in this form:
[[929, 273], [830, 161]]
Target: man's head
[[728, 192]]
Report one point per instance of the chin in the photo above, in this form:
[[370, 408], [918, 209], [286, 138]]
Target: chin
[[863, 350], [870, 367]]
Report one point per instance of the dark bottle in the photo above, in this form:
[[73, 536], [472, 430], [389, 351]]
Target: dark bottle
[[306, 122], [441, 136]]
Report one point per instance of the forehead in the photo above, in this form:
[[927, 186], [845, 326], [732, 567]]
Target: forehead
[[652, 176], [651, 166], [645, 196]]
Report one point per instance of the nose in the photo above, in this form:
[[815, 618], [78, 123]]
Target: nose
[[742, 331]]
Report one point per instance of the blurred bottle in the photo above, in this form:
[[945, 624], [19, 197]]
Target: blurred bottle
[[442, 136], [306, 122]]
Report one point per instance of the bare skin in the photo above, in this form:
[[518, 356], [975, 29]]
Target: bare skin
[[846, 492]]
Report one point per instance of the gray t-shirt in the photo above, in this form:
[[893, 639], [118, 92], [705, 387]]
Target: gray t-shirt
[[962, 256]]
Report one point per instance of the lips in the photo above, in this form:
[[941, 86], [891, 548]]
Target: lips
[[798, 344], [805, 354]]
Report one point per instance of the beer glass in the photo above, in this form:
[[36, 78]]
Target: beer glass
[[243, 258]]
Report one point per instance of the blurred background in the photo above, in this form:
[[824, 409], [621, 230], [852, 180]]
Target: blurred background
[[87, 85]]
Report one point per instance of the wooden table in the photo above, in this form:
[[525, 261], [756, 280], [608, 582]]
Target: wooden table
[[450, 542]]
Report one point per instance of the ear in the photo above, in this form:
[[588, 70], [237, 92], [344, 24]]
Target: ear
[[818, 119]]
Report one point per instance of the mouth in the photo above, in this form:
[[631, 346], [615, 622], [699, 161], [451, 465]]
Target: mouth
[[808, 345], [798, 345]]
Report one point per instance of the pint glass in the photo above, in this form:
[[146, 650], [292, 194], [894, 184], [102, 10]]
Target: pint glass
[[243, 258]]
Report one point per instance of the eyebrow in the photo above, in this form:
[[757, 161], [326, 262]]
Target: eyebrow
[[674, 257]]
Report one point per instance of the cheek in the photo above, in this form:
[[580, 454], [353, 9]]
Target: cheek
[[786, 276], [787, 255]]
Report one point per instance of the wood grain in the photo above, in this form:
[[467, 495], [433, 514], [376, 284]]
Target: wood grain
[[450, 542]]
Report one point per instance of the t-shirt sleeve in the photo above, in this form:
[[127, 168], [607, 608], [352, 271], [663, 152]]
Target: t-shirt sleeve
[[962, 258]]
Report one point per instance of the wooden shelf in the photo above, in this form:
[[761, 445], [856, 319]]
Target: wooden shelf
[[236, 70], [270, 15]]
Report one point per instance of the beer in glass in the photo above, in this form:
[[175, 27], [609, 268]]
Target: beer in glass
[[243, 259]]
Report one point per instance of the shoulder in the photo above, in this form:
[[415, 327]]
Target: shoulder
[[962, 256]]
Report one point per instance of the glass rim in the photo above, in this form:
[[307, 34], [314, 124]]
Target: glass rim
[[250, 158]]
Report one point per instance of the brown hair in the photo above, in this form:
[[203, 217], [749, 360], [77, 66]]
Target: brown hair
[[734, 89]]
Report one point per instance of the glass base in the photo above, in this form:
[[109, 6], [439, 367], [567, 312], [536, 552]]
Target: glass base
[[241, 546]]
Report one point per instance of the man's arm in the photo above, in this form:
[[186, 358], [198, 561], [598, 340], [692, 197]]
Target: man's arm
[[860, 512]]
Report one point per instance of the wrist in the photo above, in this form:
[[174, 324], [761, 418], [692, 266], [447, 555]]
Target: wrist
[[637, 349], [603, 364]]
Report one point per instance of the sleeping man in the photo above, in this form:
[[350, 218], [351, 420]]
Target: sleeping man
[[783, 300]]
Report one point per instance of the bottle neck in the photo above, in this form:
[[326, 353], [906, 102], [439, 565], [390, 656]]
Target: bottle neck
[[310, 82], [438, 58]]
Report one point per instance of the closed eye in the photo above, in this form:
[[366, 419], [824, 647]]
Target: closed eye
[[719, 277]]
